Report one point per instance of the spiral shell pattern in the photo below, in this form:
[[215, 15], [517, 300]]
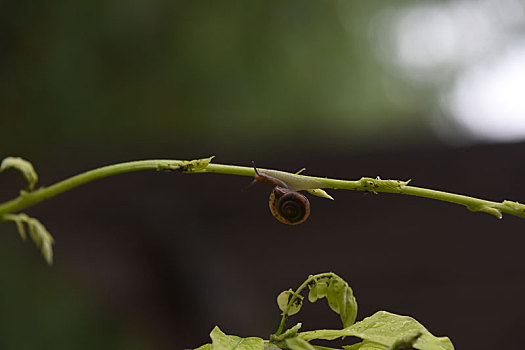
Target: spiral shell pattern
[[291, 208]]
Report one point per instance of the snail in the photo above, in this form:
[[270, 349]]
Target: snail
[[287, 206]]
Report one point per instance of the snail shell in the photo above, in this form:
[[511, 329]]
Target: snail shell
[[288, 206]]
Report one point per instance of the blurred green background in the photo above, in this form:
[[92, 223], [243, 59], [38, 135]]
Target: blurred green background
[[345, 88], [229, 75]]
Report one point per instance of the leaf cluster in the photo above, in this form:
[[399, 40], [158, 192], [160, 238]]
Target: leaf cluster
[[37, 231], [381, 331], [22, 165], [337, 292]]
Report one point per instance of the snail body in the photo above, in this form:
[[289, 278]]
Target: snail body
[[286, 205]]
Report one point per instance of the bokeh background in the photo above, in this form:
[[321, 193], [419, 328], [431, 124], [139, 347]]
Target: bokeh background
[[427, 90]]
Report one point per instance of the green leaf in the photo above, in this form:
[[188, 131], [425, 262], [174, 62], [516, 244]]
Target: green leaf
[[221, 341], [341, 298], [37, 231], [365, 345], [312, 294], [298, 344], [326, 334], [386, 329], [339, 295], [407, 342], [283, 300], [22, 165], [348, 307], [42, 238], [271, 346], [320, 286], [355, 346], [21, 228]]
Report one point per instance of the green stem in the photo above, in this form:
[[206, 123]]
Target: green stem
[[296, 295], [27, 199]]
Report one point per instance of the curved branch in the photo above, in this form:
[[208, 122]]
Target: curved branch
[[27, 199]]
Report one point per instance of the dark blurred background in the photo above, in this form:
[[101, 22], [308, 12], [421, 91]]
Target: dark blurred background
[[427, 90]]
